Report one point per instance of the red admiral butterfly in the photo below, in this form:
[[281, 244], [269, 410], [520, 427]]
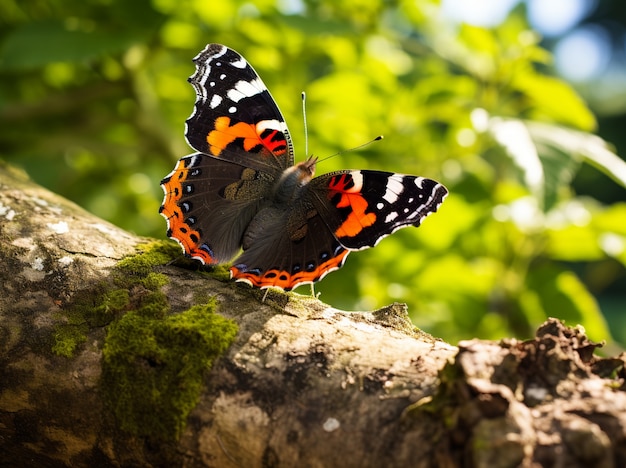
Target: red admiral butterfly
[[241, 190]]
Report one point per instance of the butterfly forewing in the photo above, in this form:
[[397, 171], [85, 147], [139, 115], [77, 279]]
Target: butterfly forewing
[[234, 116], [362, 207]]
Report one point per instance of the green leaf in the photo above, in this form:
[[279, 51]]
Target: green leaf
[[550, 155], [554, 99], [513, 136], [590, 148], [560, 163]]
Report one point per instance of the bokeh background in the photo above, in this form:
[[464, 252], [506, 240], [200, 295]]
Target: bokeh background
[[518, 107]]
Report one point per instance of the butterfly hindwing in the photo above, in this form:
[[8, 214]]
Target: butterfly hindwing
[[209, 203], [362, 207], [235, 117], [286, 247]]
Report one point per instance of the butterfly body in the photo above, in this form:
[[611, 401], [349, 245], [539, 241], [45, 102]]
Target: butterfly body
[[241, 190]]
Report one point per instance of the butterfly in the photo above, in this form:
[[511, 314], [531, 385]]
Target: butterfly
[[240, 196]]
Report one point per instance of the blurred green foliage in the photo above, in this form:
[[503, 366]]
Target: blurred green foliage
[[93, 97]]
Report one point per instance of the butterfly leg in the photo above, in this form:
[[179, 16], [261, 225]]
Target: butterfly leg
[[313, 293]]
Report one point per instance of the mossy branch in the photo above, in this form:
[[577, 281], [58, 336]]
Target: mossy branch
[[110, 355]]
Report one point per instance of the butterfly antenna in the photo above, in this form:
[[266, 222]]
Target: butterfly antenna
[[306, 129], [378, 138]]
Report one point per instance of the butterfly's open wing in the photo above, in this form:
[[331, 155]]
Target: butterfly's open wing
[[286, 248], [243, 146], [362, 207], [235, 117], [209, 203]]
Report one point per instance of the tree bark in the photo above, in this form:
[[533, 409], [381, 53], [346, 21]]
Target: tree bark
[[302, 384]]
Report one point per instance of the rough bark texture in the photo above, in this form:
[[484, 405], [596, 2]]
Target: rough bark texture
[[302, 384]]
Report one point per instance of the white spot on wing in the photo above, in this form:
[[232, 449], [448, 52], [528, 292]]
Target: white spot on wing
[[205, 61], [357, 178], [391, 216], [241, 63], [394, 187], [215, 101], [271, 125], [244, 89]]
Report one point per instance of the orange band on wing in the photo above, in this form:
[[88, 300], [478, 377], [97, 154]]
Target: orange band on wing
[[286, 281], [253, 135], [351, 197], [177, 228]]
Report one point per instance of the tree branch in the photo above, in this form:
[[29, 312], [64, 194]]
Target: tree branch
[[109, 355]]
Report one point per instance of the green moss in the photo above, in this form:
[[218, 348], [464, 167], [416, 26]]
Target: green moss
[[396, 316], [154, 281], [153, 362], [67, 338], [153, 368], [111, 304], [221, 272], [86, 313], [150, 255]]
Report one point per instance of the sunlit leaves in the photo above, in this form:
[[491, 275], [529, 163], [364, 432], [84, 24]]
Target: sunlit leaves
[[98, 92], [550, 99], [580, 145]]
